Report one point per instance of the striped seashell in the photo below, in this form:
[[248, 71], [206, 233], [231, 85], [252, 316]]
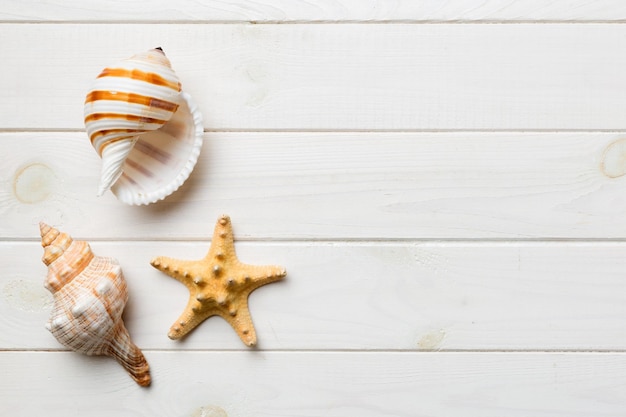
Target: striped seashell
[[89, 297], [146, 130]]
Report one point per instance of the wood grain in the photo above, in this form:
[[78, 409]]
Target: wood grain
[[318, 384], [335, 186], [335, 77], [443, 181], [320, 10], [353, 296]]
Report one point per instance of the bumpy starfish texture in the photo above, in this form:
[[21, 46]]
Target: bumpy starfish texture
[[219, 285]]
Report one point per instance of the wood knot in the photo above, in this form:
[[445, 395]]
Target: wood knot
[[33, 183], [613, 163]]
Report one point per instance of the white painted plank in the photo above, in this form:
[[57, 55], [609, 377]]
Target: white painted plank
[[318, 384], [452, 296], [320, 10], [334, 77], [334, 186]]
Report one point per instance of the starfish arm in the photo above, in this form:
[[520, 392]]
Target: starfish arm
[[181, 270], [191, 317], [223, 242], [240, 320], [255, 276]]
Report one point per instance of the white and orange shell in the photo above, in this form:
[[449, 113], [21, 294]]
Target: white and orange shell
[[89, 297], [146, 130]]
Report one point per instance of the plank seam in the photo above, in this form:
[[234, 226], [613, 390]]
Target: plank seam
[[323, 22], [346, 131], [358, 351], [347, 241]]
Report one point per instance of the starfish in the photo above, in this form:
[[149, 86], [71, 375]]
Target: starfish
[[219, 285]]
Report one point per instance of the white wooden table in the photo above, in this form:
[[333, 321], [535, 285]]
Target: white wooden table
[[443, 180]]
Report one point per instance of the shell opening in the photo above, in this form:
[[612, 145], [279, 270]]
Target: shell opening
[[160, 161]]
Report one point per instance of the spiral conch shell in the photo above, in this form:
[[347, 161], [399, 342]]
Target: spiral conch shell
[[147, 131], [89, 298]]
